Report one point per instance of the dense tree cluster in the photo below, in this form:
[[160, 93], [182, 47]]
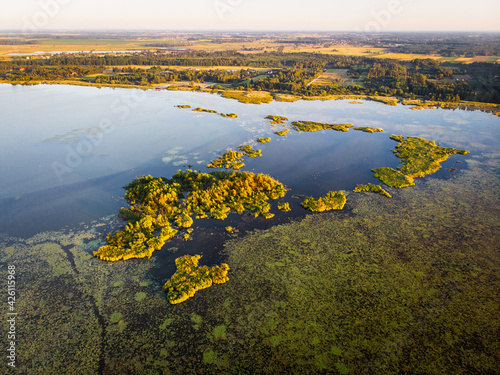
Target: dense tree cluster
[[288, 73]]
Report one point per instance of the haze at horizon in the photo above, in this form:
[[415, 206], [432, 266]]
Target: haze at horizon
[[255, 15]]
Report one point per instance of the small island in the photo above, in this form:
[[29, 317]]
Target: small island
[[368, 129], [190, 278], [277, 119], [264, 140], [332, 201], [234, 159], [201, 109], [284, 207], [282, 132], [372, 188], [183, 106], [311, 126]]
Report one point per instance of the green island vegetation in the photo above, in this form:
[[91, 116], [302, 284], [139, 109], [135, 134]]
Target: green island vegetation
[[229, 229], [372, 188], [230, 160], [264, 140], [284, 207], [190, 278], [419, 158], [368, 129], [282, 132], [311, 126], [397, 138], [201, 109], [393, 178], [248, 97], [332, 201], [229, 115], [234, 159], [250, 152], [156, 203], [183, 106], [277, 119]]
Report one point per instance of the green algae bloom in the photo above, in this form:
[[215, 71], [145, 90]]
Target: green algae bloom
[[368, 129], [372, 188], [277, 119], [393, 178], [183, 106], [201, 109], [332, 201], [284, 207], [156, 203], [283, 132], [189, 278], [263, 140], [311, 126], [229, 115]]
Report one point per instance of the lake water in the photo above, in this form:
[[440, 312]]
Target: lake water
[[66, 152], [70, 149]]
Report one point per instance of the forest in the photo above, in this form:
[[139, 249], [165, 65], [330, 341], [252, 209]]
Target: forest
[[290, 73]]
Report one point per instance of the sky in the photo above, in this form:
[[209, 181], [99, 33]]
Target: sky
[[255, 15]]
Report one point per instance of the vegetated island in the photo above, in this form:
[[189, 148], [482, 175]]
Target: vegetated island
[[368, 129], [277, 119], [158, 203], [419, 158], [234, 159], [372, 188], [311, 126], [190, 278], [183, 106], [284, 207], [201, 109], [282, 132], [229, 115], [332, 201], [264, 140]]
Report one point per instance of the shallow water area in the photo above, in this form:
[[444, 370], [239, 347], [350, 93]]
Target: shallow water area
[[383, 284]]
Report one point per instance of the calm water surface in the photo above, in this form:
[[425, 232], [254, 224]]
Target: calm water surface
[[66, 151], [406, 269]]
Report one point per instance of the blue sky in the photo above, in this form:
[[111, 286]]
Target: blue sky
[[327, 15]]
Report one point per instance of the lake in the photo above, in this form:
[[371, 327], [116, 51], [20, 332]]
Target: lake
[[67, 151]]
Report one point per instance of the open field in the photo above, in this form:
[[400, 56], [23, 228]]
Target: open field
[[74, 45], [336, 76]]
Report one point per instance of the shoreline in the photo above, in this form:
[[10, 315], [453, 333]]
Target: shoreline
[[414, 104]]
